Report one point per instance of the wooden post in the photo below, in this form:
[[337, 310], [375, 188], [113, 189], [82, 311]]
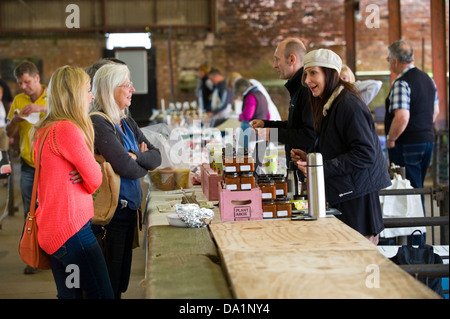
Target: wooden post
[[395, 24], [439, 58], [350, 48]]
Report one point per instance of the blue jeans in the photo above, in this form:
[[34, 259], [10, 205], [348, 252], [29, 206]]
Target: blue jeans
[[26, 186], [79, 266], [416, 159]]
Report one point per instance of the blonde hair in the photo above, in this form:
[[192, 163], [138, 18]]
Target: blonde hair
[[67, 98], [351, 75], [106, 79], [232, 78]]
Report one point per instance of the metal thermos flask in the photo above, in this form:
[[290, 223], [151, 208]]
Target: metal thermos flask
[[316, 185]]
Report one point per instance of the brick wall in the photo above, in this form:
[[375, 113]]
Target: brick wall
[[244, 40]]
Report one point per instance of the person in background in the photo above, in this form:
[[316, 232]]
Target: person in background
[[254, 106], [411, 110], [4, 140], [353, 162], [367, 89], [7, 96], [69, 175], [221, 99], [254, 103], [25, 105], [93, 68], [298, 130], [120, 141], [204, 88]]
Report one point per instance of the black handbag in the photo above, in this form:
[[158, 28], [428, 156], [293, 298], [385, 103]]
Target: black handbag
[[423, 254]]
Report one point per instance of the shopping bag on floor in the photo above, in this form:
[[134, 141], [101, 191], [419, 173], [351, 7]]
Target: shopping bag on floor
[[401, 206], [423, 254]]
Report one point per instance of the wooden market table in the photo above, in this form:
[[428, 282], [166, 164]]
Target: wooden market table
[[277, 259]]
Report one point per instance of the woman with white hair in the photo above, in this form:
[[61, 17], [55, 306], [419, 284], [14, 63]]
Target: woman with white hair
[[120, 141], [354, 165]]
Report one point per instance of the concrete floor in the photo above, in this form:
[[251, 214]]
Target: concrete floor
[[14, 284]]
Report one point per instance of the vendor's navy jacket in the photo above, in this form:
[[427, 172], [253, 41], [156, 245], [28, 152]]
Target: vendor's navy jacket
[[354, 164]]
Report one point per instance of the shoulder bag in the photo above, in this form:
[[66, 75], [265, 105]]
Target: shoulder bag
[[29, 249], [106, 197]]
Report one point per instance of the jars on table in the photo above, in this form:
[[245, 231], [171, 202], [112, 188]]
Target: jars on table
[[232, 181], [269, 208], [268, 190], [247, 181], [284, 208]]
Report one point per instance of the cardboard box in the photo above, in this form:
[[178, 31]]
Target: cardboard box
[[240, 205], [209, 182]]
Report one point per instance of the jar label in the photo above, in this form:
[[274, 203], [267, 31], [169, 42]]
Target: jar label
[[282, 213], [230, 169], [267, 214], [246, 186]]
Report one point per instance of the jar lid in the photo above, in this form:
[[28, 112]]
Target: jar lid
[[232, 174], [247, 174]]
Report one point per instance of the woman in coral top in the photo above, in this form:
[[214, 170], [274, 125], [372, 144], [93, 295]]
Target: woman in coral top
[[69, 174]]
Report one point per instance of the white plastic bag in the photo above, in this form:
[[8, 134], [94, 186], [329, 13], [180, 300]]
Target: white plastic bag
[[399, 206]]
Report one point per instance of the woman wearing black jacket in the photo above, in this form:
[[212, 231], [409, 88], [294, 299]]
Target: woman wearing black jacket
[[122, 144], [354, 165]]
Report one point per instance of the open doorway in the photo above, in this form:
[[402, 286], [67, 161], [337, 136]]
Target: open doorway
[[136, 51]]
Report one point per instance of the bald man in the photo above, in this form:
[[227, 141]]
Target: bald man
[[297, 131]]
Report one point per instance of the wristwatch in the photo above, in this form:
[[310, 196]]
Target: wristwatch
[[388, 139]]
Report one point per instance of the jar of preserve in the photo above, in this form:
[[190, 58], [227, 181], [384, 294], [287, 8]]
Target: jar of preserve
[[284, 208], [281, 186], [269, 208], [247, 181], [230, 165], [268, 190], [246, 164], [232, 181]]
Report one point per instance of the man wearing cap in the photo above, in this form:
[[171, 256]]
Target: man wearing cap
[[297, 131], [354, 166]]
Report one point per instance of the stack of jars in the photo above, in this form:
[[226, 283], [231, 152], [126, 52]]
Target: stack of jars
[[238, 172], [274, 190]]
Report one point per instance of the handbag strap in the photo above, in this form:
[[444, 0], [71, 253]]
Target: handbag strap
[[36, 174]]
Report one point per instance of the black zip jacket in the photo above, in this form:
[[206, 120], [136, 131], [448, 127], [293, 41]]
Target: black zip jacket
[[354, 164]]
